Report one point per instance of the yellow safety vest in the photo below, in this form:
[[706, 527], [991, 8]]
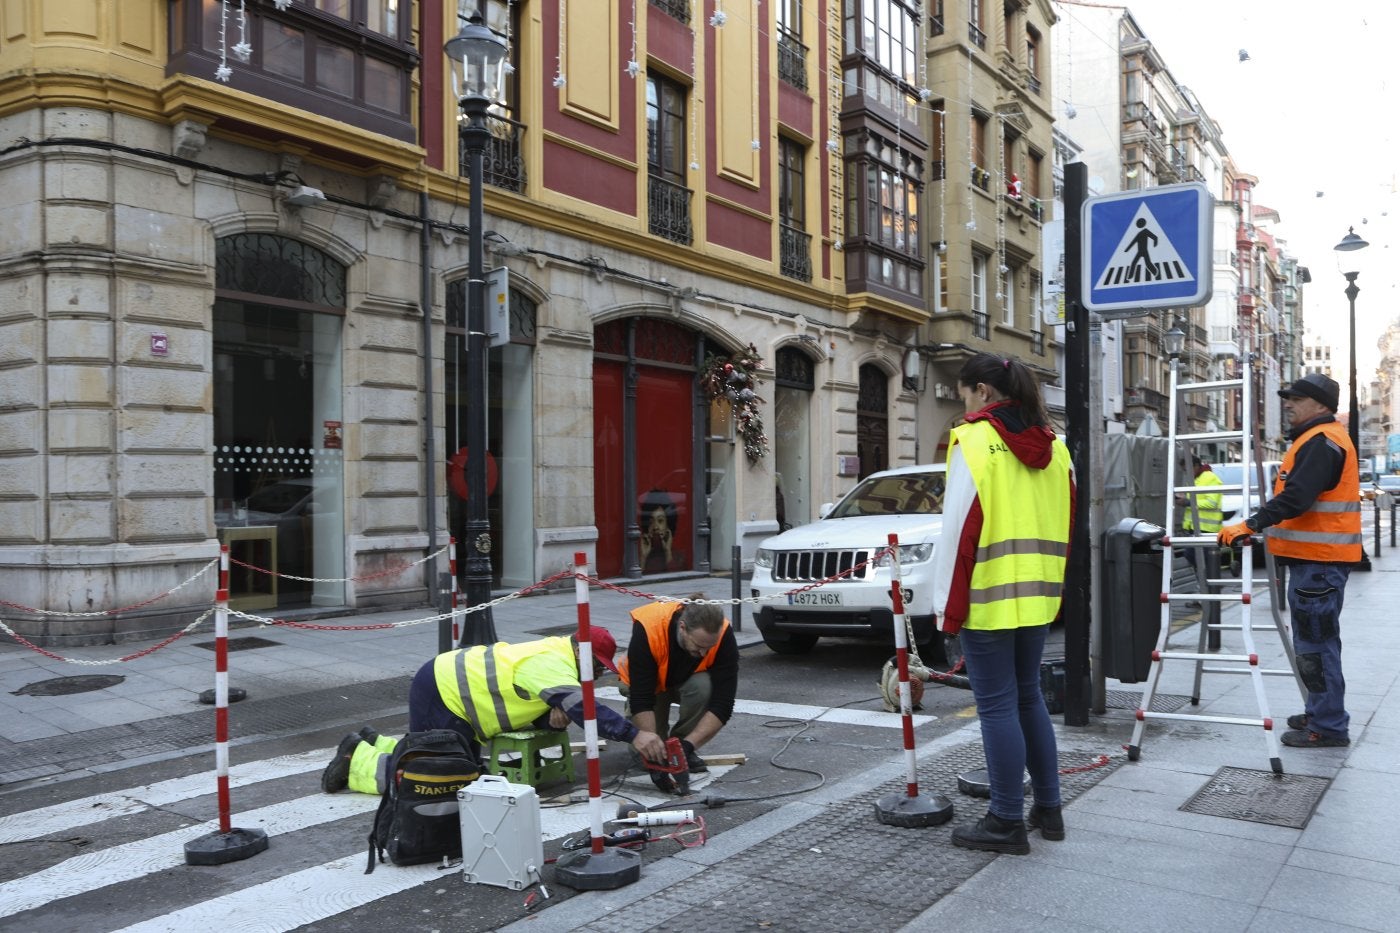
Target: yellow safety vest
[[1019, 574], [1207, 505], [478, 684]]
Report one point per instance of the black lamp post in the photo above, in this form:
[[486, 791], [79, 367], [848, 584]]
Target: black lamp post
[[477, 56], [1348, 263]]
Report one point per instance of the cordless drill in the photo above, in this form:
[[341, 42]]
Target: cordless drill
[[674, 765]]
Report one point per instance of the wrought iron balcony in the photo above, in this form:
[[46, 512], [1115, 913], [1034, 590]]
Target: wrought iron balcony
[[980, 325], [976, 36], [668, 210], [935, 25], [503, 164], [792, 60], [1033, 84], [1038, 343], [795, 253]]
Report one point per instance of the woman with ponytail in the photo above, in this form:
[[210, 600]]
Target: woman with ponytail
[[998, 581]]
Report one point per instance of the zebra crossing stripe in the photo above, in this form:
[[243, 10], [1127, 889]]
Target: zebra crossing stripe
[[828, 714], [88, 810]]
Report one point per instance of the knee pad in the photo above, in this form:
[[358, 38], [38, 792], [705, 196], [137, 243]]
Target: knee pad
[[1311, 673]]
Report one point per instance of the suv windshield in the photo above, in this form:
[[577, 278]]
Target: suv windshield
[[906, 493]]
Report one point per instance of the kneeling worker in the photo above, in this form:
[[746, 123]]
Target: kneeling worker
[[684, 654], [482, 691]]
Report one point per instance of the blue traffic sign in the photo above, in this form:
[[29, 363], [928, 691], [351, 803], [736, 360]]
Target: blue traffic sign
[[1145, 249]]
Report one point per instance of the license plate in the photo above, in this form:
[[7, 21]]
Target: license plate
[[815, 598]]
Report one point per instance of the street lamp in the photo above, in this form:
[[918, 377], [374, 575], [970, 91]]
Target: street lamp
[[477, 56], [1174, 340], [1348, 253]]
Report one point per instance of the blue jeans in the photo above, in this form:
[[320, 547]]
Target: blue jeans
[[1315, 594], [1003, 666]]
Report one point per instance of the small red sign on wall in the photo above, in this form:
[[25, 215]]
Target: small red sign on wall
[[331, 441]]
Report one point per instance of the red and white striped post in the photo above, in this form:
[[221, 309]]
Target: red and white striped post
[[910, 808], [596, 868], [452, 572], [228, 844]]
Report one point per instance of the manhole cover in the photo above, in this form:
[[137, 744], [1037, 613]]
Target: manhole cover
[[1161, 703], [1259, 797], [240, 644], [65, 686]]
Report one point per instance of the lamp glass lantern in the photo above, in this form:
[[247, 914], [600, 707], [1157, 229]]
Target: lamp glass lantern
[[478, 57], [1174, 340], [1350, 254]]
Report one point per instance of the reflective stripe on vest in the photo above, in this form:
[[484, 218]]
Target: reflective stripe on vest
[[656, 622], [1330, 530], [478, 684], [1018, 576], [1207, 505]]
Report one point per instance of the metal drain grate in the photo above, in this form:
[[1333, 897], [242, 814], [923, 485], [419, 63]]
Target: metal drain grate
[[1259, 797], [241, 644], [554, 630], [1161, 703]]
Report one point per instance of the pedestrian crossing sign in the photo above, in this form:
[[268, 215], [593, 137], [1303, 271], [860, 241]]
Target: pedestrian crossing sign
[[1146, 249]]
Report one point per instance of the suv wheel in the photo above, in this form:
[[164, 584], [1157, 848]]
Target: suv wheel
[[789, 644]]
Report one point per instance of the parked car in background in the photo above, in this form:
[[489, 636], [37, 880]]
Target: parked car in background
[[845, 543]]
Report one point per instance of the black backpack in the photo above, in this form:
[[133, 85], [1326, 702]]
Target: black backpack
[[417, 819]]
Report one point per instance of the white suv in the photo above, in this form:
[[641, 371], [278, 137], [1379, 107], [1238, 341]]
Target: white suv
[[908, 502]]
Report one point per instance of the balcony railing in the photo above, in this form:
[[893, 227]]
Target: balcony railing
[[503, 165], [668, 210], [980, 325], [679, 9], [1033, 84], [792, 60], [795, 253], [976, 36], [1037, 343], [935, 25]]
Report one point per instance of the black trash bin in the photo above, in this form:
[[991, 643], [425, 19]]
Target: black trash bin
[[1132, 598]]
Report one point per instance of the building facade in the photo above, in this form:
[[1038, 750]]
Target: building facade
[[236, 282]]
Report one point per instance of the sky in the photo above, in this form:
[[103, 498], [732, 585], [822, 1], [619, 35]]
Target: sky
[[1309, 115]]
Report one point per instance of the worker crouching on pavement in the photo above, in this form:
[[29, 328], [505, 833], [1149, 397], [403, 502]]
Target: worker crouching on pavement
[[683, 654], [485, 690]]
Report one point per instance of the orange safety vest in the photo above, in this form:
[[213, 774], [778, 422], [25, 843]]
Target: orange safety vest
[[1330, 530], [656, 622]]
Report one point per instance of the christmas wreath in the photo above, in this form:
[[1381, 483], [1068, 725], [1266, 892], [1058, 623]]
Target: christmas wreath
[[732, 378]]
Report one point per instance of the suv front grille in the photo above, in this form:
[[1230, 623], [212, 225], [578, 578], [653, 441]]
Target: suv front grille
[[810, 566]]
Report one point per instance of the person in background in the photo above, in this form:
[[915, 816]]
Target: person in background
[[1312, 526], [998, 580]]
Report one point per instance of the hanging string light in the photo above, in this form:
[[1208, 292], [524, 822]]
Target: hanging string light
[[559, 80], [242, 51], [508, 65], [1001, 203], [696, 104], [634, 68]]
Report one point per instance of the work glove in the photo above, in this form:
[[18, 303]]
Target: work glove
[[1233, 535]]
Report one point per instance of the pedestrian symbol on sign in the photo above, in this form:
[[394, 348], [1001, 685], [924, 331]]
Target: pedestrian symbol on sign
[[1144, 254]]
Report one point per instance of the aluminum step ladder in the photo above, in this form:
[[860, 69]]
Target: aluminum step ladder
[[1222, 590]]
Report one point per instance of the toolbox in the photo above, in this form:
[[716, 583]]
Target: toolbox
[[501, 839]]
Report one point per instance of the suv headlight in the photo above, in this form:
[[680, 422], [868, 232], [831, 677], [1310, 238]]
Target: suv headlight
[[908, 554], [763, 558]]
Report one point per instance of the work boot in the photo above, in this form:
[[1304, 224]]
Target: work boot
[[1298, 721], [993, 834], [369, 735], [1049, 820], [336, 777], [693, 761], [1301, 739]]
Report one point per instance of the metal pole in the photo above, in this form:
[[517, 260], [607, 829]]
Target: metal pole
[[736, 588], [1078, 573], [1354, 413], [479, 627]]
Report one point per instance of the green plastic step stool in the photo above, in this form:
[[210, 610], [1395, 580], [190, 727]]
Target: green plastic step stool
[[526, 759]]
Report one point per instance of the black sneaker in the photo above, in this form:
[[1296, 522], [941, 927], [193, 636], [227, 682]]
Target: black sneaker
[[1049, 820], [336, 777], [693, 761], [1298, 721], [993, 834], [1301, 739]]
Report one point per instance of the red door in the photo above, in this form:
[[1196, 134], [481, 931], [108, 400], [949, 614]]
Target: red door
[[608, 451], [665, 493]]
